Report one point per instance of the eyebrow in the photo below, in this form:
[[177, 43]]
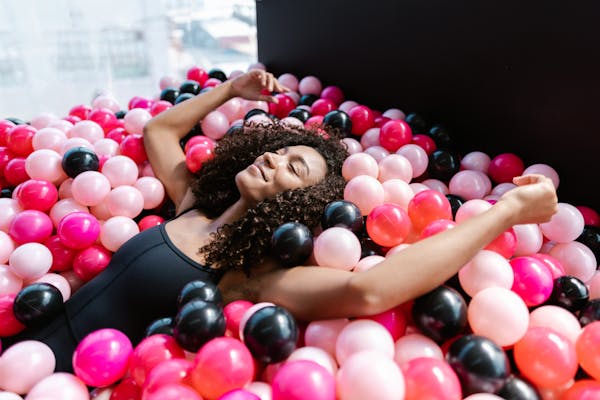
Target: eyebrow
[[300, 158]]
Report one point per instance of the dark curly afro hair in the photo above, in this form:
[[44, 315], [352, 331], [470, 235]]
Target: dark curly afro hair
[[246, 242]]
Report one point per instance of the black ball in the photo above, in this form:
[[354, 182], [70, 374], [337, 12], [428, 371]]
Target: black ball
[[271, 334], [479, 363], [183, 97], [416, 122], [6, 193], [217, 74], [443, 164], [37, 304], [160, 326], [569, 292], [308, 100], [455, 203], [197, 323], [591, 238], [234, 129], [441, 137], [206, 89], [200, 290], [440, 314], [344, 214], [79, 159], [254, 111], [189, 86], [590, 312], [338, 119], [300, 113], [120, 114], [170, 94], [16, 121], [517, 389], [369, 248], [292, 243]]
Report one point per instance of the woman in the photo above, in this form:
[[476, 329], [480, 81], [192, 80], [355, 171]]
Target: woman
[[227, 213]]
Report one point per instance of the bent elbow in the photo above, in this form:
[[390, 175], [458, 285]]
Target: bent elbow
[[366, 299]]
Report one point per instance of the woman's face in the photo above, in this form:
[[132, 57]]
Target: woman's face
[[288, 168]]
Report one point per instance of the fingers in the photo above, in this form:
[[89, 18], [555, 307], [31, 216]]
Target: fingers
[[529, 179], [268, 81]]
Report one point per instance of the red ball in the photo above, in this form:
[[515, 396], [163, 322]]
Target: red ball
[[139, 102], [5, 126], [233, 315], [427, 206], [198, 155], [37, 195], [426, 142], [19, 140], [117, 134], [197, 74], [133, 147], [159, 106], [62, 256], [149, 221], [322, 106], [169, 371], [504, 167], [199, 139], [211, 82], [88, 263], [395, 134], [80, 111], [590, 216], [334, 94], [15, 172], [127, 389], [388, 224], [149, 353], [72, 119], [9, 325], [314, 122], [381, 120], [5, 156], [505, 244], [585, 389], [103, 117], [362, 119], [284, 105]]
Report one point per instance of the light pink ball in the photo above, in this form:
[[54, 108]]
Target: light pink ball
[[394, 113], [546, 170], [337, 248], [576, 258], [30, 261], [88, 130], [468, 185], [101, 211], [45, 164], [90, 188], [352, 145], [397, 249], [502, 188], [64, 207], [25, 364], [75, 142], [347, 105], [487, 269], [377, 152], [565, 226], [9, 396], [499, 314], [106, 147], [259, 119], [58, 281], [529, 239], [323, 334], [61, 124], [476, 161], [60, 385], [316, 355], [367, 263], [415, 345], [418, 187], [168, 81], [248, 105], [120, 170], [257, 65], [395, 166], [291, 122], [135, 120], [436, 184], [294, 96], [146, 170], [361, 335], [9, 208], [558, 319], [9, 282], [594, 286], [397, 191], [152, 190], [370, 375], [471, 208], [261, 389], [485, 396], [231, 109], [116, 231], [310, 85], [42, 120], [106, 101], [125, 201], [370, 138], [289, 80], [364, 191], [359, 164], [49, 138], [417, 156]]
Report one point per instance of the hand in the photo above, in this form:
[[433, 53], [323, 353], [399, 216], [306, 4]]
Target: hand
[[533, 201], [253, 84]]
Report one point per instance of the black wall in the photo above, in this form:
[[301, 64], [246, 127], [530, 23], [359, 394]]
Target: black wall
[[502, 75]]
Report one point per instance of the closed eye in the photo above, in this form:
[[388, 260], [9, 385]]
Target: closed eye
[[293, 169]]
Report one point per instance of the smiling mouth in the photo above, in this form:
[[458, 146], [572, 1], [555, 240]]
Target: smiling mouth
[[262, 173]]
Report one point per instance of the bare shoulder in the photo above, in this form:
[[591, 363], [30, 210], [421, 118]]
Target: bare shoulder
[[236, 285]]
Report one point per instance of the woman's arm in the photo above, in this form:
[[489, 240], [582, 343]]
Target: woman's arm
[[319, 293], [163, 132]]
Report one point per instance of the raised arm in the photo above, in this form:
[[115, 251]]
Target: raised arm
[[163, 132], [319, 293]]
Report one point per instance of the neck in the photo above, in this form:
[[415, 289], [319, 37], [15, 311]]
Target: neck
[[232, 214]]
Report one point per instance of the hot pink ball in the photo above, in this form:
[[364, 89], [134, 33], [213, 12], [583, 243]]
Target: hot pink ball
[[303, 379], [102, 357], [334, 94], [533, 280], [322, 107], [78, 230], [133, 147], [364, 191], [30, 226], [555, 267], [103, 117], [388, 224], [149, 221], [435, 227], [576, 258], [565, 226], [37, 195], [393, 320], [310, 85], [194, 73], [283, 106], [239, 394], [362, 119], [337, 248], [116, 231], [120, 170], [174, 370], [215, 125], [139, 102], [30, 261], [234, 312], [504, 167], [159, 106], [395, 134], [590, 216], [314, 122], [19, 140], [359, 164], [468, 185], [395, 166], [88, 263]]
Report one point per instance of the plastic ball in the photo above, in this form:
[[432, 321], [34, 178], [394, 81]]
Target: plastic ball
[[198, 322], [78, 230], [116, 231], [533, 280], [337, 248], [486, 269], [15, 171], [425, 142], [37, 304], [397, 191], [587, 341], [310, 85], [60, 385], [30, 226], [149, 353], [302, 379], [428, 206], [199, 290], [292, 243], [443, 165], [239, 394], [359, 164], [9, 282], [343, 214], [88, 263], [362, 119], [149, 221], [19, 140], [132, 146], [79, 159], [529, 239], [415, 345], [585, 389], [363, 335], [430, 378], [90, 130], [234, 311], [215, 124], [569, 293], [323, 334], [576, 258], [284, 105], [504, 167], [440, 314], [394, 166], [24, 364], [395, 134], [388, 224], [271, 334], [30, 261], [120, 170], [338, 120], [59, 281], [364, 191], [557, 319], [49, 138]]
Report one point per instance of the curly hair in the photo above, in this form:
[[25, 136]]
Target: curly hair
[[245, 243]]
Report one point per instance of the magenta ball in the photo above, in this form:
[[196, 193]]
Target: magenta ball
[[395, 134], [37, 195], [533, 280], [102, 357], [334, 94], [362, 119], [303, 379], [88, 263], [30, 226], [78, 230], [504, 167], [321, 107], [239, 394]]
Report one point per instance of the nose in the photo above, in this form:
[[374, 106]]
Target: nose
[[272, 159]]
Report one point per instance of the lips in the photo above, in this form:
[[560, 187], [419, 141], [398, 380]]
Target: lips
[[262, 173]]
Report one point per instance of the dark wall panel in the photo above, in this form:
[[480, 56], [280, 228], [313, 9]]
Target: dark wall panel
[[502, 76]]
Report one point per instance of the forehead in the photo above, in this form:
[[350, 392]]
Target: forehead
[[307, 152]]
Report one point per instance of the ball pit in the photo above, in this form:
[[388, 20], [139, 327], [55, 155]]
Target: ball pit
[[527, 295]]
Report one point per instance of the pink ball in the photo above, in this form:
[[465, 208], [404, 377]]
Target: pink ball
[[173, 391], [125, 201], [120, 170], [334, 94], [393, 320], [417, 156], [337, 248], [419, 187], [323, 334], [359, 164], [352, 145], [60, 385], [135, 120], [504, 167], [174, 370], [215, 125], [289, 80], [88, 263], [239, 394], [594, 284], [370, 375], [362, 335], [364, 191], [152, 191], [116, 231], [9, 282], [395, 134], [59, 281], [370, 138], [45, 164], [498, 314], [545, 170], [398, 192], [30, 226], [159, 106], [576, 258], [415, 345], [37, 194], [394, 113], [553, 265], [78, 230], [533, 280], [470, 209], [30, 261], [565, 226], [310, 85], [395, 166], [367, 263], [75, 142], [88, 130], [388, 224], [468, 185], [436, 184], [64, 207], [557, 319], [347, 105], [476, 161], [529, 239], [303, 379], [430, 378], [106, 147], [106, 101], [42, 120], [234, 312], [24, 365], [49, 138], [61, 124], [322, 107], [362, 119], [168, 81], [487, 269], [377, 152], [317, 355], [132, 146]]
